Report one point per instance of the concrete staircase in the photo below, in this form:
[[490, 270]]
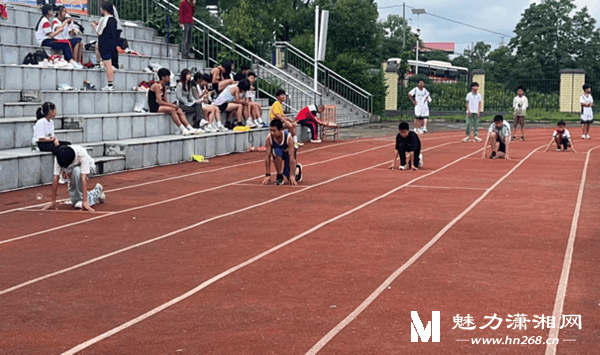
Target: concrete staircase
[[347, 113], [103, 122]]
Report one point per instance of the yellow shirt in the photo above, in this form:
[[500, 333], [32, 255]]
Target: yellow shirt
[[276, 109]]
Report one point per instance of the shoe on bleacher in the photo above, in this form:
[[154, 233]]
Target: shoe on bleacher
[[250, 123], [203, 123], [108, 88], [76, 65]]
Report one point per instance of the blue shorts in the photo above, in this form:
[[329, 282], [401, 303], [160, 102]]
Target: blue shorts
[[278, 152], [74, 41]]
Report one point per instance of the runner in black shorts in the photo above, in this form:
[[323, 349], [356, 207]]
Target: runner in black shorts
[[280, 148]]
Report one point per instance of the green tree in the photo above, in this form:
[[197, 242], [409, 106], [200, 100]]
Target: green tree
[[241, 28]]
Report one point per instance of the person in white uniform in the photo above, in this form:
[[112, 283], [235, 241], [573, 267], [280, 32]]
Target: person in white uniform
[[421, 98], [587, 115]]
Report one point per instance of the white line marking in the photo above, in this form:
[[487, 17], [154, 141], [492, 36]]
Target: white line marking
[[568, 340], [65, 211], [250, 261], [176, 198], [564, 276], [448, 187], [338, 328], [191, 174], [462, 339], [91, 261]]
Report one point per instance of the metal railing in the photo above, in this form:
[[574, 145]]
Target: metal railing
[[213, 47], [287, 54]]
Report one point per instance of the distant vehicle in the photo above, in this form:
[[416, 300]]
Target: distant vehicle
[[434, 69]]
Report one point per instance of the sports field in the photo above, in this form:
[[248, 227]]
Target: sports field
[[200, 258]]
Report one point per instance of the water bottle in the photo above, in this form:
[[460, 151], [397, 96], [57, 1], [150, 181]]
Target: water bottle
[[33, 147], [93, 58]]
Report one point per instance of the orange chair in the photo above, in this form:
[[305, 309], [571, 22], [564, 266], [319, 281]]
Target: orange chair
[[330, 126]]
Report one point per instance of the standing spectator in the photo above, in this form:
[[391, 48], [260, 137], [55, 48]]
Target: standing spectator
[[43, 131], [47, 37], [107, 40], [473, 113], [587, 114], [420, 98], [69, 33], [520, 105], [3, 12], [187, 9], [157, 102], [186, 101]]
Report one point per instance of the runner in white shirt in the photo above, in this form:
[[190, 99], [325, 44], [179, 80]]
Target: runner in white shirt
[[499, 132], [562, 138], [74, 166], [520, 104], [587, 115], [420, 98]]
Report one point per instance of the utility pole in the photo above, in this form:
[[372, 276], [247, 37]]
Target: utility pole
[[404, 26], [316, 46]]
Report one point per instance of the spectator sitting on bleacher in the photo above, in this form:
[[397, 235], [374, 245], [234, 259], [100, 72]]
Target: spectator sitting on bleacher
[[43, 131], [308, 117], [47, 37], [68, 34], [107, 40], [186, 100], [157, 102], [219, 79], [230, 100], [201, 93], [255, 107], [243, 74]]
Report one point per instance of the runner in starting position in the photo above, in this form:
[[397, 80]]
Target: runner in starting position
[[280, 148]]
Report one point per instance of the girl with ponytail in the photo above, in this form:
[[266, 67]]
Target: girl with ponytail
[[43, 131]]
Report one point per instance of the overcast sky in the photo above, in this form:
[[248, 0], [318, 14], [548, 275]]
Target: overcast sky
[[499, 16]]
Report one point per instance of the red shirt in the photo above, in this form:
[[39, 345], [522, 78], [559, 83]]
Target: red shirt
[[186, 12], [308, 114]]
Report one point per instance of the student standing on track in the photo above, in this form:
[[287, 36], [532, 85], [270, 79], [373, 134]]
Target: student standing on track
[[280, 148], [499, 132], [520, 104], [473, 113], [587, 115], [420, 97], [408, 148]]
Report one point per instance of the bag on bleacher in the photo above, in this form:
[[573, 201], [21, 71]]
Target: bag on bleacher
[[41, 55], [123, 43], [29, 59], [90, 46]]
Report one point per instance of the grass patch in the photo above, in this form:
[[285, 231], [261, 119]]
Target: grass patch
[[533, 115]]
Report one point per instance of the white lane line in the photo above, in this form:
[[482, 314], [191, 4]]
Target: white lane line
[[564, 276], [192, 174], [174, 199], [250, 261], [338, 328], [448, 187], [39, 210], [85, 263]]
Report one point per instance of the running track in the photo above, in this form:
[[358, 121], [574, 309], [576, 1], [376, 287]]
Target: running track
[[202, 259]]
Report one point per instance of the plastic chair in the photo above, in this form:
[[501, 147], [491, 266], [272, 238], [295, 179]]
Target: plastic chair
[[330, 126]]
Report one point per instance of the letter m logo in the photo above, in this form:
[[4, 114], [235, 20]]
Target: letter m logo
[[431, 331]]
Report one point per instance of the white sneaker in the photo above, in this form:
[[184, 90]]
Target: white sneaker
[[587, 136], [423, 130], [583, 137], [315, 141], [402, 167], [466, 139], [101, 195], [299, 143], [250, 123], [296, 145], [108, 88], [558, 149], [76, 65], [420, 160], [79, 205], [223, 128], [477, 139], [203, 123]]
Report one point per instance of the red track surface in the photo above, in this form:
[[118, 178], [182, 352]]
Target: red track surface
[[155, 240]]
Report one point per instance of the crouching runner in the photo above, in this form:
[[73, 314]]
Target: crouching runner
[[280, 148]]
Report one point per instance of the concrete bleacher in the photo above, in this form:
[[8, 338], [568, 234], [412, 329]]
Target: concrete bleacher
[[103, 122]]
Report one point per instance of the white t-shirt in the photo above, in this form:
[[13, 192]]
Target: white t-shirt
[[65, 33], [473, 101], [586, 113], [82, 158], [520, 105], [43, 129], [422, 97], [503, 132], [565, 135], [44, 28]]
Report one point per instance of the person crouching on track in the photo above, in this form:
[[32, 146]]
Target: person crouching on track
[[280, 148], [499, 132], [562, 138], [408, 148], [73, 165]]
